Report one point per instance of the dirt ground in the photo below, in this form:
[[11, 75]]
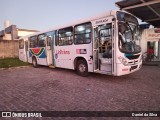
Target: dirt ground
[[46, 89]]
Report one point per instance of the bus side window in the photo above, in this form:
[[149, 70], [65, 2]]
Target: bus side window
[[33, 41], [21, 44], [41, 40], [50, 37], [105, 36], [65, 36], [82, 33]]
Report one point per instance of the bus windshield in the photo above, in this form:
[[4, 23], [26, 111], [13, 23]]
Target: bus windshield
[[129, 35]]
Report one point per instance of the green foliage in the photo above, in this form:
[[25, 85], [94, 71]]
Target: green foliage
[[11, 62]]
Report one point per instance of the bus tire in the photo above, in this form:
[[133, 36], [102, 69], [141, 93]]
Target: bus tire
[[34, 62], [82, 68]]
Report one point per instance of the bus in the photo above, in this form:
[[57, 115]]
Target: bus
[[108, 43]]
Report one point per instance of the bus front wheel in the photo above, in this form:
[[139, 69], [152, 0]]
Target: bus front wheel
[[82, 68], [34, 62]]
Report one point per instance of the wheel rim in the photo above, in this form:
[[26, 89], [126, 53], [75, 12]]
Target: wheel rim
[[82, 68]]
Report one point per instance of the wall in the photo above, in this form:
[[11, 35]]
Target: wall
[[24, 33], [7, 37], [149, 35], [8, 48]]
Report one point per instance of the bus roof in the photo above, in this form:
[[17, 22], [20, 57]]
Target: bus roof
[[104, 14]]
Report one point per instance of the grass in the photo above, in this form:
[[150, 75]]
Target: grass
[[11, 62]]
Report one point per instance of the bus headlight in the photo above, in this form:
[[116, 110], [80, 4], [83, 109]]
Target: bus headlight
[[123, 60]]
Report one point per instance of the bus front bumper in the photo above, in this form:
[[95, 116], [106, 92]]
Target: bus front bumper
[[123, 70]]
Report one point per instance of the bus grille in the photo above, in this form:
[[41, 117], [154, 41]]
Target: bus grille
[[131, 57], [133, 67]]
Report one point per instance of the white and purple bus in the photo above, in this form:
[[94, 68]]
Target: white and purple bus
[[108, 44]]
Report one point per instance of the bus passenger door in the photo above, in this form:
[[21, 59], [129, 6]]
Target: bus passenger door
[[49, 50], [22, 50], [102, 48], [96, 50], [26, 50]]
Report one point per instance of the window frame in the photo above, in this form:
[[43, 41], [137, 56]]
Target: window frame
[[38, 45], [108, 29], [83, 33], [21, 42], [35, 41], [50, 34], [58, 37]]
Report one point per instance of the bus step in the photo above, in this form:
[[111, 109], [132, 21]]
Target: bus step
[[96, 70], [51, 66]]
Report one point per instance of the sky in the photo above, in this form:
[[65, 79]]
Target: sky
[[44, 14]]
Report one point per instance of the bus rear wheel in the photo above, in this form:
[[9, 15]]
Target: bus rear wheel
[[82, 68], [34, 62]]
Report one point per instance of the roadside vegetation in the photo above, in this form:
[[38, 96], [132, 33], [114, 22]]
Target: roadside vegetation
[[11, 62]]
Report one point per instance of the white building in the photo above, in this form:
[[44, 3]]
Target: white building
[[11, 32], [151, 38]]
